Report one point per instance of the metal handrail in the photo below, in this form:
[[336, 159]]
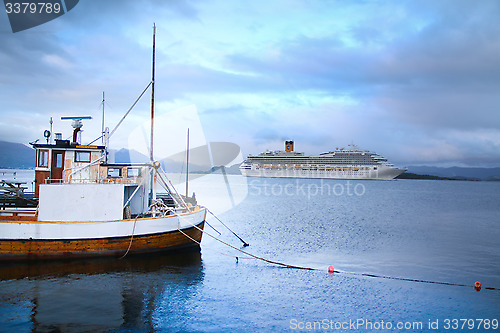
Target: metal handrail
[[84, 167], [50, 181]]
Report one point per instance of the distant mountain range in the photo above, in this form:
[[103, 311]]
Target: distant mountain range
[[16, 156], [19, 156]]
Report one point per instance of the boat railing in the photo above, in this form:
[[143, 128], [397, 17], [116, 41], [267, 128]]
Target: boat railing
[[107, 180], [80, 169], [13, 214]]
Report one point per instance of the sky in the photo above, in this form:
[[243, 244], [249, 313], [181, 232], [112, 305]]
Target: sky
[[415, 81]]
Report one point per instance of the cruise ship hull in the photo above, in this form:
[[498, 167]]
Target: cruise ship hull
[[382, 172]]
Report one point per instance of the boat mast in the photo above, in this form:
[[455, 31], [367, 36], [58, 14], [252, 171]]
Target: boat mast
[[153, 187], [50, 136], [102, 126], [152, 95], [187, 164]]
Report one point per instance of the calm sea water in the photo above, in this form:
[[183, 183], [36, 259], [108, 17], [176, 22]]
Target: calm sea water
[[446, 231]]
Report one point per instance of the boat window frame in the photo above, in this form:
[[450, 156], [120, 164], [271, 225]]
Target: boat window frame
[[120, 172], [58, 163], [78, 154], [134, 170], [43, 162]]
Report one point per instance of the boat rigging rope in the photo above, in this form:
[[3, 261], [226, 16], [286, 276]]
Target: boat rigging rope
[[130, 109], [164, 184], [178, 198]]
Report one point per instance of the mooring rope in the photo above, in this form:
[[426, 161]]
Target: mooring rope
[[161, 207], [416, 280], [244, 243], [131, 238], [166, 209], [217, 251], [245, 252], [477, 285]]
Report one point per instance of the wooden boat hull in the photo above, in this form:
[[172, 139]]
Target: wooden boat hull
[[169, 233], [35, 249]]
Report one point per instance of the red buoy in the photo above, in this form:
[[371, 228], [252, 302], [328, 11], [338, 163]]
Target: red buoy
[[331, 269], [477, 285]]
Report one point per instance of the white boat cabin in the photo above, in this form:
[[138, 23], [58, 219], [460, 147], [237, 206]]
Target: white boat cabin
[[74, 182]]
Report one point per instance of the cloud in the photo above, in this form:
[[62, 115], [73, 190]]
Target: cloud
[[394, 76]]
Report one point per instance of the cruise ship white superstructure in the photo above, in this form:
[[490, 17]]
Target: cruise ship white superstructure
[[351, 163]]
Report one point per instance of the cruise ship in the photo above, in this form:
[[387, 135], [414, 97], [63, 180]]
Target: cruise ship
[[350, 163]]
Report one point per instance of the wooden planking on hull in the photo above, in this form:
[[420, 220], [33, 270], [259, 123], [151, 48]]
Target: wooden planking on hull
[[70, 248]]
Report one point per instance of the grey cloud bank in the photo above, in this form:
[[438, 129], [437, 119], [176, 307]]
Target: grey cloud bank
[[417, 82]]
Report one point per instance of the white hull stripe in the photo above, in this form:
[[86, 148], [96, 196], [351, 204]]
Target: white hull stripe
[[98, 230]]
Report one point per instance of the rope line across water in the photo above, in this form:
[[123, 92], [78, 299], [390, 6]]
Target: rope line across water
[[252, 256]]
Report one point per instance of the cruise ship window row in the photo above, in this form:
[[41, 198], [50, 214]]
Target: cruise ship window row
[[319, 161], [274, 160], [315, 164], [351, 168], [319, 157]]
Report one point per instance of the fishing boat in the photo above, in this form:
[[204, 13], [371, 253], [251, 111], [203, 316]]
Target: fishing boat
[[90, 207]]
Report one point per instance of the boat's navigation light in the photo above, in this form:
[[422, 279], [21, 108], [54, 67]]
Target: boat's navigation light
[[46, 134]]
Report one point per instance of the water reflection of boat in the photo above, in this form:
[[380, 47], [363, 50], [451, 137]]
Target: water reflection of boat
[[99, 294], [88, 206], [101, 265]]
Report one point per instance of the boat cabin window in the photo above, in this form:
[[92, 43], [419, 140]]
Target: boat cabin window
[[82, 156], [133, 172], [58, 159], [114, 172], [43, 158]]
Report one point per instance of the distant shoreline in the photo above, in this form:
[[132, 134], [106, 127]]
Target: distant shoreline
[[410, 175]]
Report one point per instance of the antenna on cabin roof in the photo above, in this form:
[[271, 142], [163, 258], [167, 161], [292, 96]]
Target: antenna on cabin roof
[[77, 125]]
